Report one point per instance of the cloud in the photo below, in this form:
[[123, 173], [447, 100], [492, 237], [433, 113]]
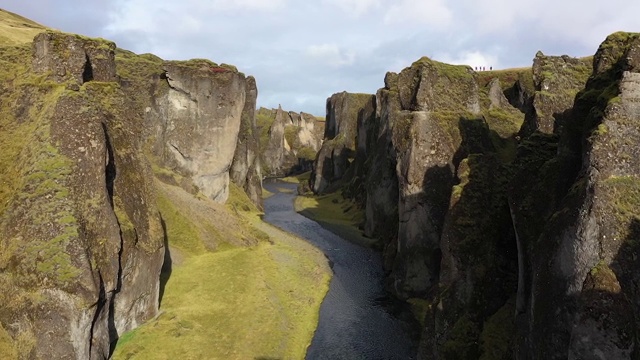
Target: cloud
[[432, 13], [331, 54], [303, 51], [354, 7], [471, 58]]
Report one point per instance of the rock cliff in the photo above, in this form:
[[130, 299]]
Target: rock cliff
[[81, 239], [582, 263], [289, 141], [339, 145], [506, 202], [85, 127]]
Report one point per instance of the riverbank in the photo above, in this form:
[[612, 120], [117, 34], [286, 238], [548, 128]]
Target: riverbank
[[342, 217], [257, 297], [358, 320]]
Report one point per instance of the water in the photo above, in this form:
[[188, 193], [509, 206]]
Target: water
[[354, 321]]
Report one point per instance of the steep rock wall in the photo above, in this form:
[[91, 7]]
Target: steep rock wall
[[289, 141], [78, 222], [582, 264], [557, 80], [197, 122], [339, 145], [246, 170]]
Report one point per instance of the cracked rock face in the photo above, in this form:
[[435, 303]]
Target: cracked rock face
[[197, 124], [80, 237]]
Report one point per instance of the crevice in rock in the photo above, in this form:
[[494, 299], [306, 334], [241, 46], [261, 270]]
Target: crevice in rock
[[110, 167], [87, 73], [178, 89], [110, 176], [102, 298], [165, 272], [186, 157]]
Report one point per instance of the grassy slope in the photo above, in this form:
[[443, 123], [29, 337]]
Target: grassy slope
[[15, 30], [335, 213], [237, 302]]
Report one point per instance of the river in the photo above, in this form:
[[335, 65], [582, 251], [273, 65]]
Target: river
[[355, 318]]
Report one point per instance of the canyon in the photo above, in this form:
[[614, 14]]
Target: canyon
[[505, 204]]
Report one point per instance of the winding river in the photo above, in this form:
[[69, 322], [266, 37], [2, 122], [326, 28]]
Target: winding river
[[355, 321]]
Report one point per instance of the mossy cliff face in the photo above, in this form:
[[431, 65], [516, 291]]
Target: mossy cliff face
[[584, 262], [289, 141], [246, 170], [80, 238], [339, 143], [483, 214], [557, 80], [197, 121]]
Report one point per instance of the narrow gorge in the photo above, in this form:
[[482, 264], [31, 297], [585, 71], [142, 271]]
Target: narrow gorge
[[453, 214]]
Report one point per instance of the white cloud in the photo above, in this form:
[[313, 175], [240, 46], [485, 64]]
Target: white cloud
[[355, 7], [331, 54], [471, 58], [353, 42], [184, 16], [432, 13]]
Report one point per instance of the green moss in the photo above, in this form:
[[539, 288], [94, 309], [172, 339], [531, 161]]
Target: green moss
[[498, 333], [420, 308], [306, 153], [462, 342], [298, 179], [337, 214], [291, 135], [622, 197], [181, 232], [238, 199], [451, 71], [243, 303], [508, 78]]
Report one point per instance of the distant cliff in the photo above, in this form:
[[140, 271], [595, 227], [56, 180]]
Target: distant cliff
[[339, 145], [505, 202], [288, 141]]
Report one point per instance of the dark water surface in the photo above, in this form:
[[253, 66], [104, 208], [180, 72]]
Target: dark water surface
[[354, 321]]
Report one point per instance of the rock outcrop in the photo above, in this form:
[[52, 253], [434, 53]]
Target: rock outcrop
[[339, 145], [81, 239], [557, 80], [582, 264], [197, 122], [246, 169], [84, 131], [517, 229], [289, 141]]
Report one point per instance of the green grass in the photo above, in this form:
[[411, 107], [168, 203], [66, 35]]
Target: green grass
[[508, 77], [297, 179], [242, 303], [335, 213], [15, 29], [230, 302]]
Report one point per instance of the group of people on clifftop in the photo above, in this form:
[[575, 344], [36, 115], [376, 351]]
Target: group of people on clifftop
[[482, 68]]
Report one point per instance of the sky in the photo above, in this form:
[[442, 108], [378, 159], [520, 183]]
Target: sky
[[302, 51]]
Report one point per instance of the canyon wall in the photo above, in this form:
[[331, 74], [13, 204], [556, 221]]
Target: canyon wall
[[289, 141], [86, 128], [505, 203]]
